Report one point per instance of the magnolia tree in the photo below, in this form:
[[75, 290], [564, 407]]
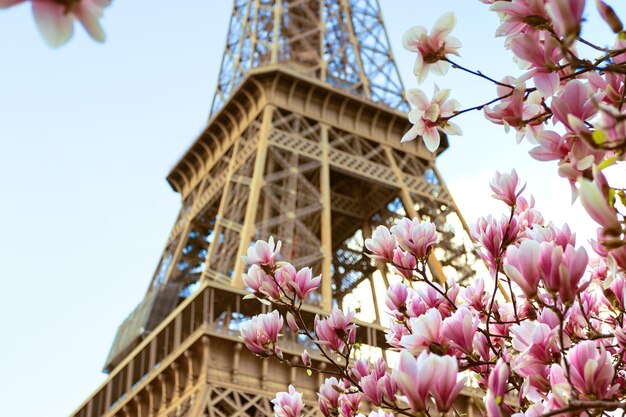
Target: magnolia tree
[[543, 332]]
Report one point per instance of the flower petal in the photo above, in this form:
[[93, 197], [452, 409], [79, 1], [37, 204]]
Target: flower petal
[[54, 24]]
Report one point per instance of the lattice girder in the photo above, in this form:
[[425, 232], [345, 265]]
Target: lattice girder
[[273, 184], [342, 43]]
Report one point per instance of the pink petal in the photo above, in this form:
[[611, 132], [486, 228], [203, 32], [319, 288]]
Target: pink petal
[[8, 3], [410, 135], [547, 83], [54, 24]]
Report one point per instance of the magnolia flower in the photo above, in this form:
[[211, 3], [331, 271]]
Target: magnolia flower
[[416, 237], [543, 56], [445, 387], [328, 396], [561, 269], [395, 299], [404, 262], [288, 404], [371, 390], [426, 332], [432, 48], [55, 18], [460, 328], [301, 282], [575, 102], [430, 117], [609, 16], [263, 253], [591, 370], [514, 16], [594, 200], [522, 266], [337, 330], [260, 283], [415, 377], [381, 244], [515, 110], [504, 187], [260, 333], [566, 16]]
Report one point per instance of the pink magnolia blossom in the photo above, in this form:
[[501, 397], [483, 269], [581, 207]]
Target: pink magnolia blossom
[[566, 15], [306, 359], [543, 56], [415, 378], [337, 330], [404, 262], [505, 187], [371, 389], [288, 404], [261, 284], [514, 110], [55, 18], [291, 322], [301, 282], [416, 237], [608, 15], [475, 295], [535, 340], [591, 370], [594, 199], [496, 388], [492, 235], [431, 116], [328, 396], [498, 380], [263, 253], [426, 332], [560, 387], [460, 328], [575, 102], [381, 244], [396, 298], [515, 14], [361, 368], [394, 334], [561, 270], [445, 387], [522, 266], [260, 333], [432, 48], [551, 146], [349, 404]]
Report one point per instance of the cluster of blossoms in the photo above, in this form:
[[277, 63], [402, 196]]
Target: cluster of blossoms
[[546, 336], [543, 332], [55, 18]]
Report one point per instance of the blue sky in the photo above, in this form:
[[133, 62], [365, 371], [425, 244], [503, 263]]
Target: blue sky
[[88, 133]]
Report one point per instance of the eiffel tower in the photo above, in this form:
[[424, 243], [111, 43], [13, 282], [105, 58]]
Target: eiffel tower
[[303, 144]]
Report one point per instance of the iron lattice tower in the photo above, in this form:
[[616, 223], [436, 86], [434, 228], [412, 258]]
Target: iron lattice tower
[[302, 144]]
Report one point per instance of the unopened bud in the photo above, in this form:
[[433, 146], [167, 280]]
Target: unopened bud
[[609, 16]]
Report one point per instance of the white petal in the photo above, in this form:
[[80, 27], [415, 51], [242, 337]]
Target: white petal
[[410, 135]]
